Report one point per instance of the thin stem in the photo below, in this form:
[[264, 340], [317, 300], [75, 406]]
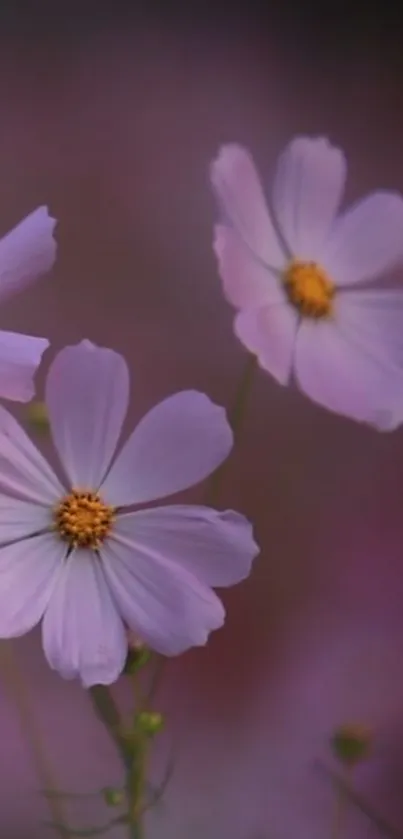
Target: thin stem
[[108, 713], [339, 813], [136, 775], [236, 416], [237, 412], [132, 755], [17, 685], [135, 830], [351, 795], [341, 802], [135, 790]]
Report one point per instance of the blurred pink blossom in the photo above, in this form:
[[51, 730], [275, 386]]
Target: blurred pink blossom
[[296, 275]]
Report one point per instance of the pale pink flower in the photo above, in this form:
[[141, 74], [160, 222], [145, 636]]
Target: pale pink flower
[[296, 273], [72, 555], [26, 252]]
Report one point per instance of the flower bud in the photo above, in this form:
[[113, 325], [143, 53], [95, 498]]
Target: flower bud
[[112, 796], [150, 722], [352, 743]]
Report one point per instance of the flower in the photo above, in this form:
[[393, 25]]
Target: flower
[[26, 252], [299, 276], [75, 557]]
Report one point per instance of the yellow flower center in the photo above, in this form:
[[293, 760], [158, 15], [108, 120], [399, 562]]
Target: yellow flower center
[[309, 289], [83, 520]]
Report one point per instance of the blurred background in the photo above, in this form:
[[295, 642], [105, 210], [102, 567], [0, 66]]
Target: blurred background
[[110, 114]]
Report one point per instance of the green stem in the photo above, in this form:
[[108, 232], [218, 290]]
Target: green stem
[[133, 754], [135, 791], [236, 416], [135, 831], [136, 775], [237, 412], [16, 683], [107, 712]]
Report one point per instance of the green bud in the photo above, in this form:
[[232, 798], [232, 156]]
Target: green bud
[[150, 722], [351, 743], [112, 796], [38, 417]]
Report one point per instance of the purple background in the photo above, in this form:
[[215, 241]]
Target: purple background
[[115, 132]]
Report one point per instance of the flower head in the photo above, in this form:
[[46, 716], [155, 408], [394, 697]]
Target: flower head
[[299, 274], [74, 556], [26, 252]]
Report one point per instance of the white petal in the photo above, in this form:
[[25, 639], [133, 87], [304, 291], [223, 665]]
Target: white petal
[[161, 602], [308, 187], [217, 547], [19, 519], [20, 356], [367, 241], [240, 195], [177, 444], [345, 377], [247, 281], [23, 470], [26, 252], [28, 574], [87, 393], [269, 333], [82, 632]]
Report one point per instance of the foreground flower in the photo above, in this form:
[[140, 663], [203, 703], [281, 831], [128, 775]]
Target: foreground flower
[[70, 553], [26, 252], [296, 277]]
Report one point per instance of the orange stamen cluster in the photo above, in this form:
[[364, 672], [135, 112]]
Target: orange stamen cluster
[[83, 520], [309, 289]]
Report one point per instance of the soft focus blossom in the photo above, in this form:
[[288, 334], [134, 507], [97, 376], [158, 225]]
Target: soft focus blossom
[[71, 553], [300, 277], [26, 252]]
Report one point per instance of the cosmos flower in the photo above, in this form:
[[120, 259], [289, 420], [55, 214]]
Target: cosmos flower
[[301, 278], [26, 252], [73, 555]]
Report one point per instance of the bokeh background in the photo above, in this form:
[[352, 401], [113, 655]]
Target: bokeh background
[[111, 116]]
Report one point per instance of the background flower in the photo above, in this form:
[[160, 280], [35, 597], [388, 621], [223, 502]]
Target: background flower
[[296, 275], [26, 252]]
